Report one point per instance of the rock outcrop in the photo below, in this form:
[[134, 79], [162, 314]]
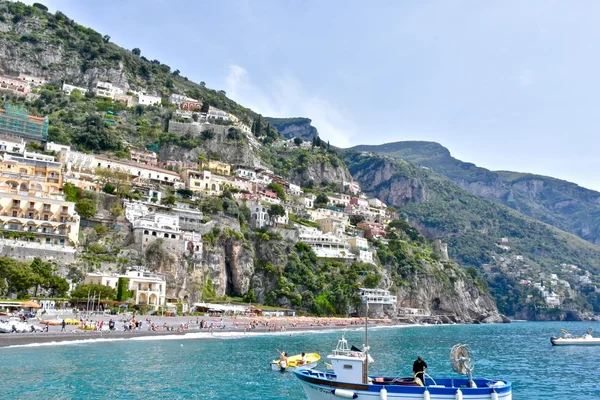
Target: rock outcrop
[[294, 127]]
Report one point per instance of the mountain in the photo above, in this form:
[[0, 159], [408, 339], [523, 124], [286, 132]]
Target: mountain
[[472, 225], [253, 265], [294, 127], [562, 204], [501, 243]]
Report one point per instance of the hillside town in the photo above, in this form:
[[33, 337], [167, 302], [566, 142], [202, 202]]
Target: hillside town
[[39, 221]]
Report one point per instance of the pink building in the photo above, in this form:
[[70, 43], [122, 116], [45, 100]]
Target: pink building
[[372, 229], [16, 86]]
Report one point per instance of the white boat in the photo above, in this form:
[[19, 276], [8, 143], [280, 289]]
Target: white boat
[[350, 379], [569, 340], [14, 324]]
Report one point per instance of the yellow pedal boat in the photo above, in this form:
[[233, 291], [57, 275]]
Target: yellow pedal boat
[[295, 362]]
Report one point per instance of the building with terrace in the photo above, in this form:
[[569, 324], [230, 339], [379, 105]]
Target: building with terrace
[[325, 245], [143, 156], [149, 289], [32, 206]]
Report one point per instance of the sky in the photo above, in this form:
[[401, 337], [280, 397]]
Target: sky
[[507, 85]]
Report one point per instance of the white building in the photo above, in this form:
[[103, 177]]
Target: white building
[[38, 156], [552, 299], [51, 146], [147, 100], [246, 173], [339, 198], [325, 245], [12, 146], [294, 189], [107, 89], [76, 161], [376, 203], [148, 288], [309, 200], [358, 243], [151, 227], [259, 214], [216, 114], [321, 213], [365, 256], [353, 187], [68, 89], [178, 98]]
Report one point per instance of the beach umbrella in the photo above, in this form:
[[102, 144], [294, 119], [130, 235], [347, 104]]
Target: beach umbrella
[[30, 304]]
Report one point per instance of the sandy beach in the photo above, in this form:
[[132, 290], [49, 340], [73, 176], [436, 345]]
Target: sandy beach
[[153, 326]]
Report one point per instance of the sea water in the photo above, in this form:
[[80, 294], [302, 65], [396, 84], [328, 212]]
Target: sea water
[[236, 366]]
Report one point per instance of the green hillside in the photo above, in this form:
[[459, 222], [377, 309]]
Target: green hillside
[[471, 225], [562, 204]]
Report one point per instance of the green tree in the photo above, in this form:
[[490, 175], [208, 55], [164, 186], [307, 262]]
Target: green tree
[[321, 201], [208, 134], [356, 219], [276, 210], [250, 297], [123, 293], [75, 96], [298, 141], [83, 291], [106, 38], [136, 51], [109, 188], [277, 188], [169, 200], [70, 192], [86, 208]]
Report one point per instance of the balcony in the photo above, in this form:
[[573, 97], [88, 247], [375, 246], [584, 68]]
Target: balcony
[[16, 206]]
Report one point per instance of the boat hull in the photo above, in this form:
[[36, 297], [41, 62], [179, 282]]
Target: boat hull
[[574, 341], [326, 389]]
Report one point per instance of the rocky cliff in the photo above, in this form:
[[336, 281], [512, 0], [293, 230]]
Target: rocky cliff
[[222, 145], [294, 127]]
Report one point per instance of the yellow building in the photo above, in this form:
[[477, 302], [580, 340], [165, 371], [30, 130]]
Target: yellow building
[[204, 182], [32, 203], [29, 177], [216, 166]]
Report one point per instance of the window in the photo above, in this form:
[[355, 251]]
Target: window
[[146, 232], [166, 235], [153, 233]]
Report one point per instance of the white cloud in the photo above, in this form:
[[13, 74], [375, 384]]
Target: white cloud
[[286, 97]]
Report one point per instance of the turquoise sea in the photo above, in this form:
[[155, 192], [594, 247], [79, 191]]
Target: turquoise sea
[[238, 368]]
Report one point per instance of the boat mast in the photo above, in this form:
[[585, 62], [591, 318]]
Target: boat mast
[[366, 368]]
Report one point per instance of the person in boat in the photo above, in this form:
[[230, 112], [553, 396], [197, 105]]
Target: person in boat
[[419, 367], [303, 359], [283, 362]]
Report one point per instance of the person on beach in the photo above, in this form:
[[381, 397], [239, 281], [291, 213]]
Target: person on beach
[[63, 325], [419, 367]]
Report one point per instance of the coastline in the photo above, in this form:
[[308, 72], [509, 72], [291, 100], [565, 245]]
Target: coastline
[[230, 330]]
